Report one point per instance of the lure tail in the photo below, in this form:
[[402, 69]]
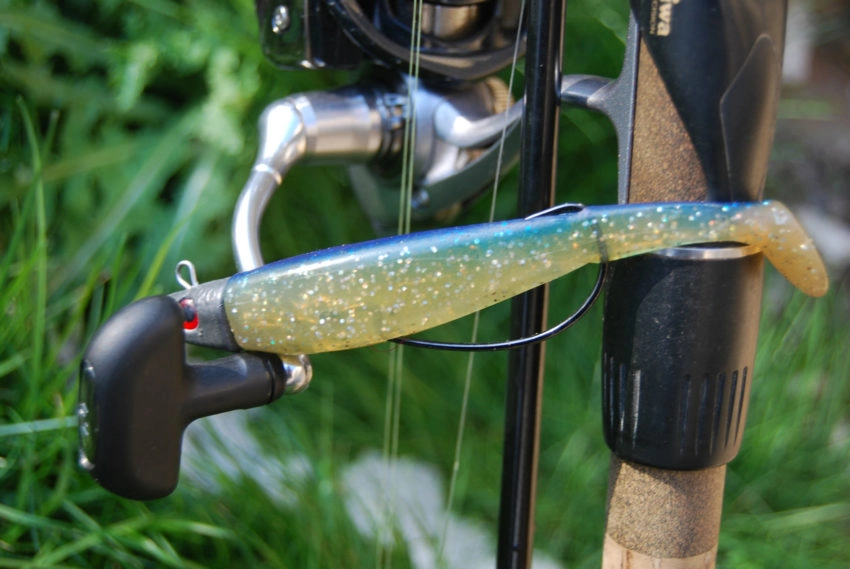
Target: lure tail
[[769, 226], [773, 228]]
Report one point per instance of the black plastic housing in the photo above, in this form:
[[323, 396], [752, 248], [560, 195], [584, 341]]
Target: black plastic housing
[[679, 342], [314, 39], [340, 34]]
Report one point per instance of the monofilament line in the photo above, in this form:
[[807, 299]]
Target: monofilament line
[[395, 373], [470, 364]]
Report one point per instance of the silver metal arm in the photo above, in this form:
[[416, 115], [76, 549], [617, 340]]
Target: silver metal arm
[[362, 127], [457, 128], [337, 126]]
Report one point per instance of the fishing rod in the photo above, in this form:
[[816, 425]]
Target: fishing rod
[[537, 177], [684, 266], [680, 327]]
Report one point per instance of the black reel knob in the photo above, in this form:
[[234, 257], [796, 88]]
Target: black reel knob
[[138, 394]]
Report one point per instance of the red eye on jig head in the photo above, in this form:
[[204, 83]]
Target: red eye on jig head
[[190, 314], [190, 311]]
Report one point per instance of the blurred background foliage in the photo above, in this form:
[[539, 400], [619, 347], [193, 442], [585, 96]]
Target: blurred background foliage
[[128, 129]]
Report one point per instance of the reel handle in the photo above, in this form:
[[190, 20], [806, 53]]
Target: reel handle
[[138, 394]]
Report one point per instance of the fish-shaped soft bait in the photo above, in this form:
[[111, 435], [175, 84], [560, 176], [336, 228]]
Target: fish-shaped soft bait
[[363, 294]]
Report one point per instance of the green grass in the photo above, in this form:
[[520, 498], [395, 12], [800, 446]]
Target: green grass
[[126, 133]]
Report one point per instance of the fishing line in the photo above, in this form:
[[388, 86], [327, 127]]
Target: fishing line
[[395, 373], [408, 148], [467, 382]]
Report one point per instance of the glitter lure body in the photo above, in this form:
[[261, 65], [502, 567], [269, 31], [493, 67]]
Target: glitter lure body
[[366, 293]]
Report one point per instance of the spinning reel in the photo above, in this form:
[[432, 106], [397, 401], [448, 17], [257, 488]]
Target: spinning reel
[[454, 101]]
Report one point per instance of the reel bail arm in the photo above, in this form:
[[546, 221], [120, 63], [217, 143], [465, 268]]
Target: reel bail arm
[[361, 127]]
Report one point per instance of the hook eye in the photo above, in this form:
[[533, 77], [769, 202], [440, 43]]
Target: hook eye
[[189, 268]]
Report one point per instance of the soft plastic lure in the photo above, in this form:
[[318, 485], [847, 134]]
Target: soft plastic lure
[[362, 294]]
